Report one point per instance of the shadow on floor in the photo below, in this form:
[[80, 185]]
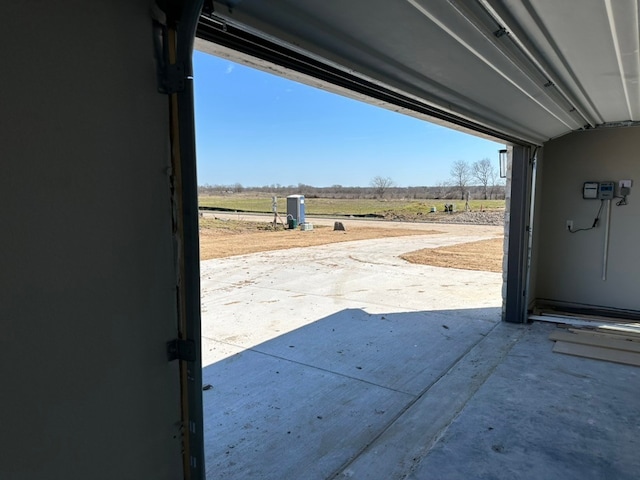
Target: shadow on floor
[[438, 394]]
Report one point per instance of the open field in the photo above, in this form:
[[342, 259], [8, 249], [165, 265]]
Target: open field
[[331, 206]]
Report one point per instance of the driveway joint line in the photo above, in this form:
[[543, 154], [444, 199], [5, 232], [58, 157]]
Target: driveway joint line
[[412, 402]]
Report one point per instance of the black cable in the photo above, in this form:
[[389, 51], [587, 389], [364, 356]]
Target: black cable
[[595, 221]]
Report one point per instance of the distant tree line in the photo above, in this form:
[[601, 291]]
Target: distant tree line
[[479, 179], [444, 190]]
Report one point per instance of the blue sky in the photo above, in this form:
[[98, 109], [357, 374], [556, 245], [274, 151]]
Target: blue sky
[[259, 129]]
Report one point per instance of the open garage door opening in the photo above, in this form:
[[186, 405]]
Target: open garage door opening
[[325, 329]]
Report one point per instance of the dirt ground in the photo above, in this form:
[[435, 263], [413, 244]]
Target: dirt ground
[[485, 255], [221, 238]]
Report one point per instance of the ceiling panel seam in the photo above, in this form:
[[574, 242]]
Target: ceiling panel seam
[[499, 38], [616, 46], [368, 66], [482, 58], [521, 39], [636, 49], [636, 38], [436, 94]]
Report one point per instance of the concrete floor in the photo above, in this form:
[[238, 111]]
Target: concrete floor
[[343, 361]]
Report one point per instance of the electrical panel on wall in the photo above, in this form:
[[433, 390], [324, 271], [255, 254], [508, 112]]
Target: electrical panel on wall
[[598, 190], [590, 190], [605, 190]]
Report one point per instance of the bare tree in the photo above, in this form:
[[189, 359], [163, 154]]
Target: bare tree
[[381, 185], [460, 176], [441, 190], [496, 185], [484, 172]]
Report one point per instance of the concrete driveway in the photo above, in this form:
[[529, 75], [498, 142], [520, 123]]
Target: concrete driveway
[[289, 289], [343, 361]]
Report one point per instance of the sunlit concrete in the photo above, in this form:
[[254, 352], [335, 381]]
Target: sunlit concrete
[[343, 361]]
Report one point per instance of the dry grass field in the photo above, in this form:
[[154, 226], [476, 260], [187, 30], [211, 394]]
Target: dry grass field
[[341, 206]]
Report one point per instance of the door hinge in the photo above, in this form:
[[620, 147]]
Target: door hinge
[[181, 350], [173, 79]]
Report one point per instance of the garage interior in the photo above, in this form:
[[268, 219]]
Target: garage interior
[[100, 294]]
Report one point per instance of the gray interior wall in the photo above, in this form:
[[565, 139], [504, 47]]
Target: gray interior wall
[[569, 266], [87, 282]]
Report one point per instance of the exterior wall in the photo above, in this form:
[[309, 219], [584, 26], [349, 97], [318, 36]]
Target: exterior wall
[[569, 266], [87, 289]]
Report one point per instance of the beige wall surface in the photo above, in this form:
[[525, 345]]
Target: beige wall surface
[[569, 267], [87, 282]]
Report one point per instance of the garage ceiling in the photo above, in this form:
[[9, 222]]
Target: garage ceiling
[[521, 71]]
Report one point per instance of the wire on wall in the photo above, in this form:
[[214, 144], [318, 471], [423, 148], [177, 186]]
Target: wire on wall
[[595, 221]]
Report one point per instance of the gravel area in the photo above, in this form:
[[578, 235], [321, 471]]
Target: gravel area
[[477, 218], [490, 217]]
